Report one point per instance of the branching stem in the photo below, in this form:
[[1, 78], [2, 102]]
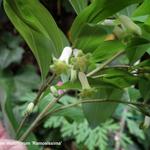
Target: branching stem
[[105, 63], [36, 100], [39, 117]]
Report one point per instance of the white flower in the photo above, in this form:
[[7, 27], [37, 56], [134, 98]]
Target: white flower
[[84, 81], [66, 54]]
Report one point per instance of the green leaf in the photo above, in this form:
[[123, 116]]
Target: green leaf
[[97, 11], [89, 41], [25, 81], [97, 113], [10, 51], [128, 11], [143, 9], [73, 113], [144, 85], [118, 77], [134, 94], [134, 129], [9, 116], [38, 28], [136, 49], [107, 49], [78, 5]]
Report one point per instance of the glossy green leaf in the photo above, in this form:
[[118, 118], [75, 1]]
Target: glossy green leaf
[[78, 5], [136, 49], [97, 113], [118, 77], [38, 28], [107, 49], [89, 41], [143, 9], [96, 12]]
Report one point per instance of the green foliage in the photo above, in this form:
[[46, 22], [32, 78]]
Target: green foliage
[[10, 52], [38, 29], [115, 35], [82, 133], [106, 49], [78, 5], [96, 12]]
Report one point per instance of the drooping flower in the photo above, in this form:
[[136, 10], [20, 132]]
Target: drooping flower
[[87, 90]]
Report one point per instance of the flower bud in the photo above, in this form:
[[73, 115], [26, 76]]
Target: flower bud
[[146, 123], [29, 108], [54, 91], [81, 61], [60, 92], [130, 25], [59, 67]]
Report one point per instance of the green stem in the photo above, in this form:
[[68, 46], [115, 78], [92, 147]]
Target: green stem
[[39, 117], [131, 104], [36, 100], [43, 88], [100, 101], [105, 63]]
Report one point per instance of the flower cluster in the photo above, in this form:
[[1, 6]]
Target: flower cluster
[[74, 63]]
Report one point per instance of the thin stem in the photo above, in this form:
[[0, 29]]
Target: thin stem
[[47, 108], [100, 101], [131, 104], [36, 100], [43, 88], [105, 63]]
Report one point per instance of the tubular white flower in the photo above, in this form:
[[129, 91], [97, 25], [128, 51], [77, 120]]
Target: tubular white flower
[[84, 81], [73, 75], [66, 54], [86, 91]]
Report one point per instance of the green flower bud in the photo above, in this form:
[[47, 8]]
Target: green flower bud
[[54, 91], [81, 62], [60, 67], [130, 25], [29, 108]]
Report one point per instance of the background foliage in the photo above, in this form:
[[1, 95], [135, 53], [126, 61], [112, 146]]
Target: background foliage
[[103, 126]]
